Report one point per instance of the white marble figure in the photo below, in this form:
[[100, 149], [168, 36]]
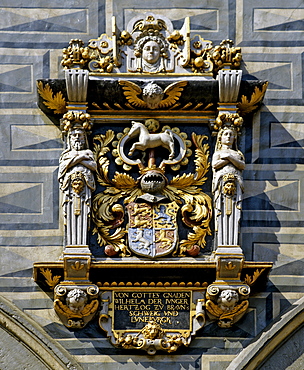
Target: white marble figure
[[148, 141], [76, 183], [227, 164], [151, 50]]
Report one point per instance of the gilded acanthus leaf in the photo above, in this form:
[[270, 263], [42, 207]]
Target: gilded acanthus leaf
[[183, 181], [201, 158], [123, 181], [196, 238], [55, 102], [201, 169], [102, 207], [100, 148], [197, 208], [248, 105], [116, 239], [50, 280], [250, 280]]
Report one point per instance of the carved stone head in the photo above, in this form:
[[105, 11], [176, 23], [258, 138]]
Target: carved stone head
[[76, 300], [152, 95], [227, 299], [77, 139]]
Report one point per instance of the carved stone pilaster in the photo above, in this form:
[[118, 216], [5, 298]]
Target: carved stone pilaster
[[229, 85], [77, 88]]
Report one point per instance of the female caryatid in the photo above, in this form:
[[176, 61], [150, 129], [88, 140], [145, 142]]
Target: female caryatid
[[227, 164], [76, 183]]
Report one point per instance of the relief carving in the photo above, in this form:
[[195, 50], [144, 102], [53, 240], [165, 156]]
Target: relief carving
[[76, 179], [227, 164], [144, 183]]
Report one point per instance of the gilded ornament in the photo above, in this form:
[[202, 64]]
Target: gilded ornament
[[250, 280], [152, 187], [49, 279], [76, 55], [227, 309], [226, 55], [77, 266], [78, 308], [249, 105], [152, 94], [55, 102]]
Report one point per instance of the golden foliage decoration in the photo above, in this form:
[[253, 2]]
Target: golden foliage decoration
[[50, 280], [100, 148], [196, 238], [250, 280], [197, 209], [183, 189], [55, 102], [105, 203], [248, 105]]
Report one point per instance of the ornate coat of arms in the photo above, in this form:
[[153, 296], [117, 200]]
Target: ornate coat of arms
[[152, 228], [152, 201]]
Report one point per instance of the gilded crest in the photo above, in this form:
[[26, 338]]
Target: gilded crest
[[152, 228], [152, 200]]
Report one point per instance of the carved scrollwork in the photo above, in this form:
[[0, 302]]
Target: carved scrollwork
[[76, 306], [227, 307], [182, 189], [152, 338]]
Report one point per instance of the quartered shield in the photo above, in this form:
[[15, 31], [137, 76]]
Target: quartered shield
[[152, 228]]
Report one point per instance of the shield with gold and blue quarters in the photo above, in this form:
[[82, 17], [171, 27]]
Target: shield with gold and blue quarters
[[152, 228]]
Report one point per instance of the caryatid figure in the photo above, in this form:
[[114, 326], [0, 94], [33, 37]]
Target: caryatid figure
[[227, 164], [77, 183]]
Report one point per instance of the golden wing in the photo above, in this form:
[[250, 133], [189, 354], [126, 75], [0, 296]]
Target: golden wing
[[64, 309], [131, 92], [90, 308], [214, 309], [237, 310], [174, 91]]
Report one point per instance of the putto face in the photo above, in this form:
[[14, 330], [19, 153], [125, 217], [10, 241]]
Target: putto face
[[151, 52], [228, 137], [77, 139]]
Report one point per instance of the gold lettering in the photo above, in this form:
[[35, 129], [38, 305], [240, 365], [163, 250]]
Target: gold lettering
[[154, 301], [121, 295], [176, 295], [176, 301], [171, 313]]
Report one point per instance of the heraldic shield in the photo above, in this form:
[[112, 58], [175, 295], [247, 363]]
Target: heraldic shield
[[152, 228]]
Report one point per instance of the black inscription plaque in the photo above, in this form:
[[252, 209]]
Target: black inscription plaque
[[134, 309]]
